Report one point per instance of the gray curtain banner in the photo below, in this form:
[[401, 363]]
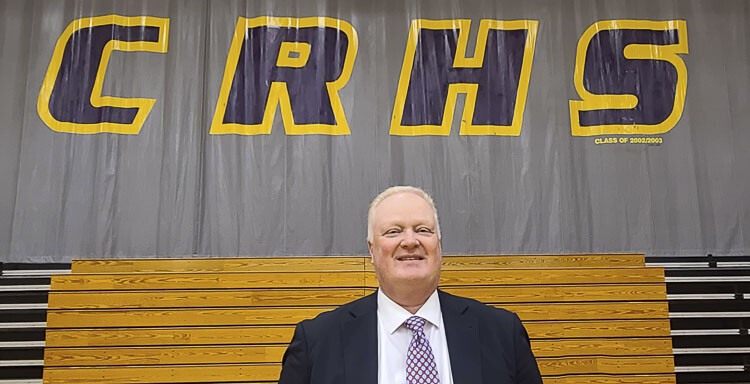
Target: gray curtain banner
[[178, 187]]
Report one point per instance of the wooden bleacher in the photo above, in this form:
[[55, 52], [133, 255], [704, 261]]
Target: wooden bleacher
[[593, 319]]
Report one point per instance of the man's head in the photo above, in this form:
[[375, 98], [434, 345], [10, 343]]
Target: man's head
[[403, 237], [400, 189]]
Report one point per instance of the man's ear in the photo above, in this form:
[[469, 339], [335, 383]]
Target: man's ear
[[369, 248]]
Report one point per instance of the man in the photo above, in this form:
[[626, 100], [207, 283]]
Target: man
[[409, 331]]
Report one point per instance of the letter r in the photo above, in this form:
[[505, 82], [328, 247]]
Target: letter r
[[297, 63]]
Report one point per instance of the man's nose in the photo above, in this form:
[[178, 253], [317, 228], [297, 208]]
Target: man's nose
[[410, 239]]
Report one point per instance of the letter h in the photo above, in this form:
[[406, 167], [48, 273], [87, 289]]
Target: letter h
[[435, 70]]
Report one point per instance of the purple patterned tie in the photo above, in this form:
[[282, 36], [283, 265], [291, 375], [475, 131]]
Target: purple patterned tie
[[420, 362]]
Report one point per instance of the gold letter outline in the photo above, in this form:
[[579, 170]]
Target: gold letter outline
[[278, 94], [590, 101], [97, 100], [461, 61]]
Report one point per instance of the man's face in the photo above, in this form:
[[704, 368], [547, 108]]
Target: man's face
[[405, 248]]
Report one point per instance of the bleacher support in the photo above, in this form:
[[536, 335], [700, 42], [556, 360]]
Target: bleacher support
[[709, 311], [23, 312]]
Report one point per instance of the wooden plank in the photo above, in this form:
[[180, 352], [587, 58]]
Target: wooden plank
[[85, 357], [602, 347], [160, 281], [590, 311], [607, 365], [287, 316], [610, 379], [257, 264], [352, 279], [598, 328], [353, 263], [202, 298], [543, 276], [283, 334], [82, 357], [179, 317], [543, 261], [99, 282], [164, 374], [552, 276], [574, 379], [489, 262], [270, 372], [168, 336], [562, 293], [303, 297]]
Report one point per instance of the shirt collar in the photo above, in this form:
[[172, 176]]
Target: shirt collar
[[394, 315]]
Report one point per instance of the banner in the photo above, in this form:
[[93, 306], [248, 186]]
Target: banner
[[264, 128]]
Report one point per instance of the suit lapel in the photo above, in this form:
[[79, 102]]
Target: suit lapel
[[360, 339], [462, 334]]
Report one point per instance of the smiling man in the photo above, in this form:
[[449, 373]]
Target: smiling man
[[409, 331]]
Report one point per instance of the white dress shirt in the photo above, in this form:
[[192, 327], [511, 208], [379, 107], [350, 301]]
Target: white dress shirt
[[394, 339]]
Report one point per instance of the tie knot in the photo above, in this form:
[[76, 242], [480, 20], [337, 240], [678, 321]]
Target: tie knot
[[415, 324]]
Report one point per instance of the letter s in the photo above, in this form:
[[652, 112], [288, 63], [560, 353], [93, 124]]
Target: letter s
[[630, 77]]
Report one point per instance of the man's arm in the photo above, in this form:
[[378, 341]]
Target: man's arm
[[295, 368], [527, 371]]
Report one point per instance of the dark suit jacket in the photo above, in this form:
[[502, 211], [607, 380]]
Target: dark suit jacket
[[485, 344]]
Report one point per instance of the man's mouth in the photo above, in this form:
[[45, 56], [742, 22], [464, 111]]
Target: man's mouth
[[410, 258]]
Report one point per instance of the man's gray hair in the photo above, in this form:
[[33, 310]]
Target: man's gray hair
[[395, 190]]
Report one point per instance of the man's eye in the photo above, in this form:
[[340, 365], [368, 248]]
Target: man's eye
[[392, 232], [424, 230]]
